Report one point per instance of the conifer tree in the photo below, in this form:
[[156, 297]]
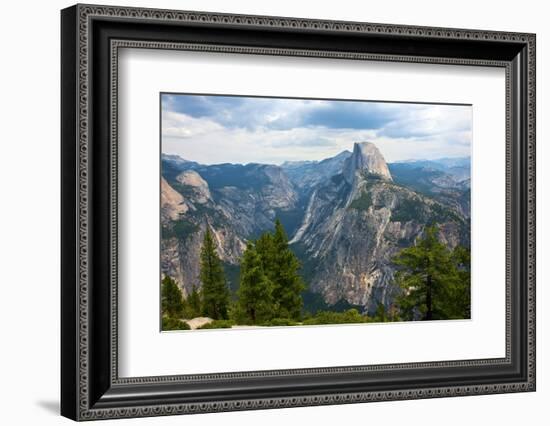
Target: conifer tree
[[215, 294], [265, 247], [194, 303], [287, 283], [255, 299], [171, 298], [460, 288], [434, 285]]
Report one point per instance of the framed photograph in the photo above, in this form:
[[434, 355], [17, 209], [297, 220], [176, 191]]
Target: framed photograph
[[263, 212]]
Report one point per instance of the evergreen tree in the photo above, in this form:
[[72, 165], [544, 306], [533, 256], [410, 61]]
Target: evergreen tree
[[255, 300], [381, 314], [194, 303], [287, 283], [433, 284], [215, 294], [460, 288], [171, 298], [265, 247]]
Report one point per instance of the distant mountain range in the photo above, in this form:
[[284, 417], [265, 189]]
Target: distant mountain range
[[346, 216]]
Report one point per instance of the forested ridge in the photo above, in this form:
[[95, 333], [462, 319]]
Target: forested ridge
[[434, 283]]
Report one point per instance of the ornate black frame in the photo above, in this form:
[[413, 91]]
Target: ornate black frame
[[91, 37]]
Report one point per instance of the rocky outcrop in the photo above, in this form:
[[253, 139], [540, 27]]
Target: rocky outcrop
[[366, 158], [242, 202], [195, 184], [172, 204], [184, 220]]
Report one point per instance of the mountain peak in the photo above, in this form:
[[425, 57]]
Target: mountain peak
[[366, 156]]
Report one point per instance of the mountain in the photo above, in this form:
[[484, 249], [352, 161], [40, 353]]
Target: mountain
[[236, 201], [458, 168], [366, 158], [346, 217], [434, 179], [356, 222], [305, 175]]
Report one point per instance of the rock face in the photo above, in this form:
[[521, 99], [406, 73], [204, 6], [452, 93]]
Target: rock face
[[358, 220], [235, 202], [347, 216], [366, 158], [172, 204], [196, 184]]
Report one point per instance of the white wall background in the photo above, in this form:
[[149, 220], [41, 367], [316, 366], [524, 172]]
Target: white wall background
[[29, 212]]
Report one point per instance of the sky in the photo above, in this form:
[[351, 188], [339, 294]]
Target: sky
[[213, 129]]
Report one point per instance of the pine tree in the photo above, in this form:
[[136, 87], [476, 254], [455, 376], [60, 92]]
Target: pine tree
[[433, 285], [460, 288], [215, 294], [287, 283], [255, 300], [194, 303], [265, 247], [171, 298]]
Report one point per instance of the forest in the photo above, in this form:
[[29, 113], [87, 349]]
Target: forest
[[433, 283]]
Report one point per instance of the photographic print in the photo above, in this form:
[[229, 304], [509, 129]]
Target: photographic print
[[301, 212]]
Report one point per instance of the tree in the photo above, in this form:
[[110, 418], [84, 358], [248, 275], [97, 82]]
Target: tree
[[215, 294], [287, 283], [255, 299], [433, 282], [171, 298], [194, 303], [460, 289], [265, 247]]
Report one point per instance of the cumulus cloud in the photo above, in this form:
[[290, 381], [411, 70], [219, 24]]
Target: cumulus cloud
[[214, 129]]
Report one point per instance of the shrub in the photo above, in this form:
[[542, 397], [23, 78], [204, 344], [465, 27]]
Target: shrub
[[169, 323], [217, 324], [351, 316], [279, 322]]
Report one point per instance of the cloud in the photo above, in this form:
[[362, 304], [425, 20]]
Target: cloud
[[214, 129], [279, 113]]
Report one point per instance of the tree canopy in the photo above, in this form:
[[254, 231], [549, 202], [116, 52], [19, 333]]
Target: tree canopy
[[171, 298], [215, 294], [435, 280], [255, 294]]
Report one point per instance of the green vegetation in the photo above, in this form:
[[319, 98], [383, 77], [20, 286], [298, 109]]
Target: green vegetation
[[415, 209], [169, 324], [409, 209], [351, 316], [419, 179], [192, 306], [181, 228], [255, 295], [284, 267], [217, 324], [279, 322], [363, 202], [215, 294], [441, 214], [435, 283], [171, 298], [172, 306], [434, 279], [315, 303]]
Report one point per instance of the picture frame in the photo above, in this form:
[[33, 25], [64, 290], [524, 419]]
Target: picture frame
[[91, 37]]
